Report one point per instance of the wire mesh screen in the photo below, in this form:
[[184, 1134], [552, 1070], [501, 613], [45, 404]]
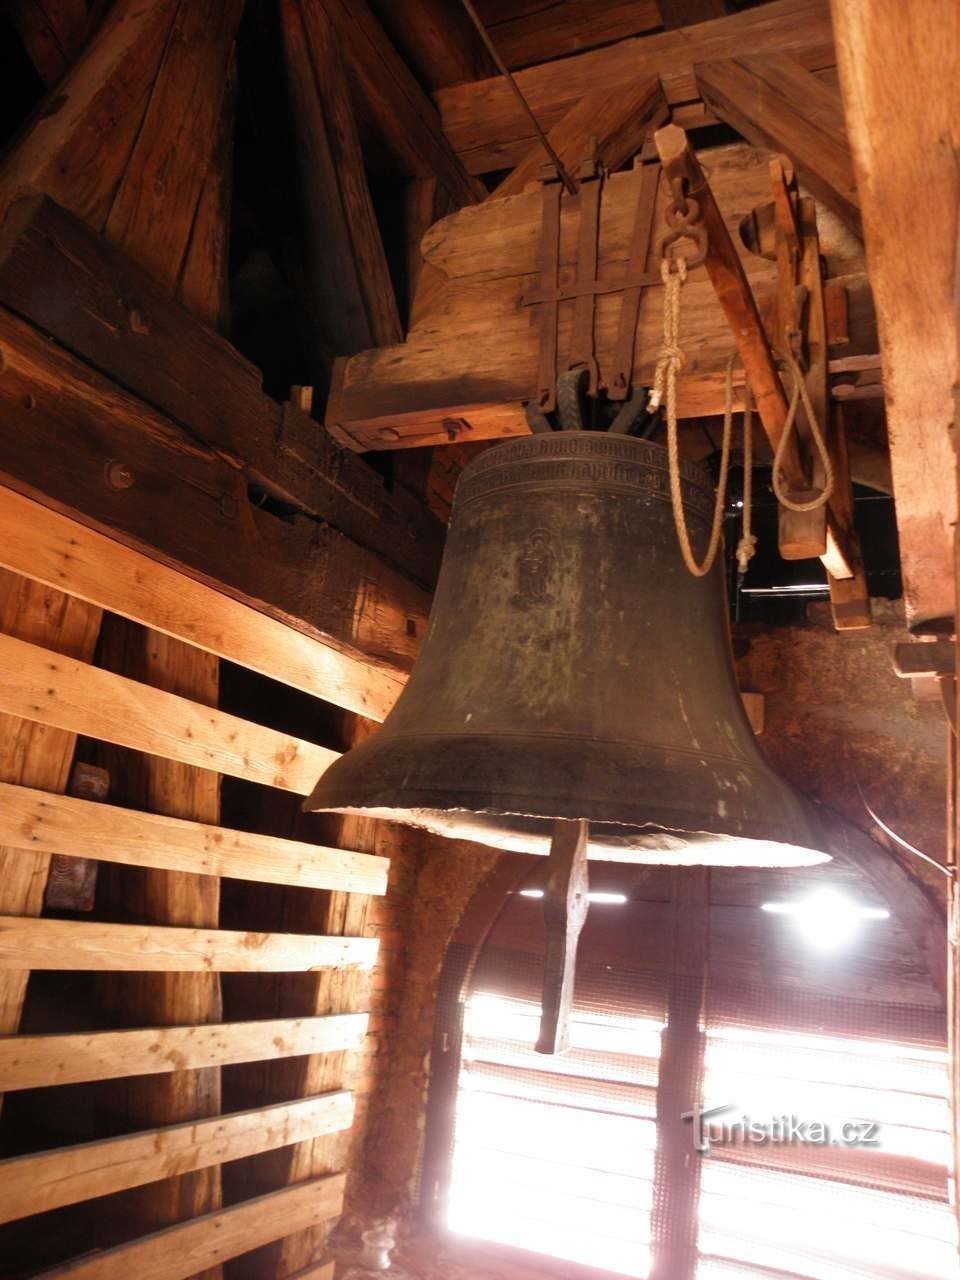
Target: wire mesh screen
[[826, 1158]]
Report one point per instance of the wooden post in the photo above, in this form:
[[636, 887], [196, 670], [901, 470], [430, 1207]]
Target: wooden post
[[565, 906], [680, 1081]]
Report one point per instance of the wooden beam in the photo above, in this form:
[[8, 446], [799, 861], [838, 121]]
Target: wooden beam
[[52, 689], [50, 1179], [407, 118], [775, 102], [526, 33], [77, 146], [126, 948], [488, 131], [349, 290], [904, 149], [120, 322], [39, 822], [153, 210], [183, 503], [61, 553], [181, 1251], [687, 13], [38, 1062], [616, 122], [436, 40], [52, 34]]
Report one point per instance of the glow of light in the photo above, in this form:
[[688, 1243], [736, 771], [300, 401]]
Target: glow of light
[[611, 899], [826, 919]]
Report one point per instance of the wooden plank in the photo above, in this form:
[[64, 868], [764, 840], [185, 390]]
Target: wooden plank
[[77, 145], [488, 131], [131, 948], [152, 213], [902, 152], [179, 1252], [38, 1062], [406, 117], [50, 1179], [35, 755], [63, 554], [122, 324], [48, 688], [615, 121], [524, 34], [39, 822], [776, 102], [349, 290]]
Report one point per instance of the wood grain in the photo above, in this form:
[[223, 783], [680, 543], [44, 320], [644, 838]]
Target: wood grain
[[50, 1179], [37, 1062], [126, 948]]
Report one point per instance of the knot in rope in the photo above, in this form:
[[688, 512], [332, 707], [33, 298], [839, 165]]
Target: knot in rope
[[670, 358]]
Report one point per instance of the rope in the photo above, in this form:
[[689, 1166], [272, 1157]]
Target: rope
[[673, 272], [800, 393], [747, 546]]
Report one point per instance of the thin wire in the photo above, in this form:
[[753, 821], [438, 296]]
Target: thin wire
[[504, 70], [904, 844]]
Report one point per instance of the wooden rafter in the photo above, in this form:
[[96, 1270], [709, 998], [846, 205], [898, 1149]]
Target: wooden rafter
[[488, 131], [775, 102], [529, 31], [436, 39]]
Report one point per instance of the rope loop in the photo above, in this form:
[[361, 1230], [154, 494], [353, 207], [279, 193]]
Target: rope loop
[[800, 395]]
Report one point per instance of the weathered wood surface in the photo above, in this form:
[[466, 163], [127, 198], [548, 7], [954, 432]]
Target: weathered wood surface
[[120, 322], [133, 948], [530, 31], [407, 119], [349, 291], [775, 102], [612, 124], [488, 130], [38, 1062], [65, 555], [38, 822], [471, 360], [59, 691], [186, 505], [53, 34], [687, 13], [436, 39], [37, 1183], [184, 1250], [905, 145]]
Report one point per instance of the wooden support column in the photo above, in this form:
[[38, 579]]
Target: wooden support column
[[680, 1082], [898, 73]]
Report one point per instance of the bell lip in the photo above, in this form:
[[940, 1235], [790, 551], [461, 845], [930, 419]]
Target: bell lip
[[365, 782]]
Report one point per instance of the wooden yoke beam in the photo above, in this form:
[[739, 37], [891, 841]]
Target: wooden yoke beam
[[733, 291]]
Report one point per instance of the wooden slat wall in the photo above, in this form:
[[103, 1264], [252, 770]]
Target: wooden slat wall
[[163, 934]]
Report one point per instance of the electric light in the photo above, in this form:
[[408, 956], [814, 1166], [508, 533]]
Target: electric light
[[827, 919]]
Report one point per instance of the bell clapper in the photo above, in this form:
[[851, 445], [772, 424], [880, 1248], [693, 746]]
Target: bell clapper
[[565, 906]]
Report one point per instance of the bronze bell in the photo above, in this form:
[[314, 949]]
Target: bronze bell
[[574, 668]]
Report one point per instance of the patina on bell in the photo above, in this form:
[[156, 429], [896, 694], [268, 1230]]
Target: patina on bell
[[574, 668]]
